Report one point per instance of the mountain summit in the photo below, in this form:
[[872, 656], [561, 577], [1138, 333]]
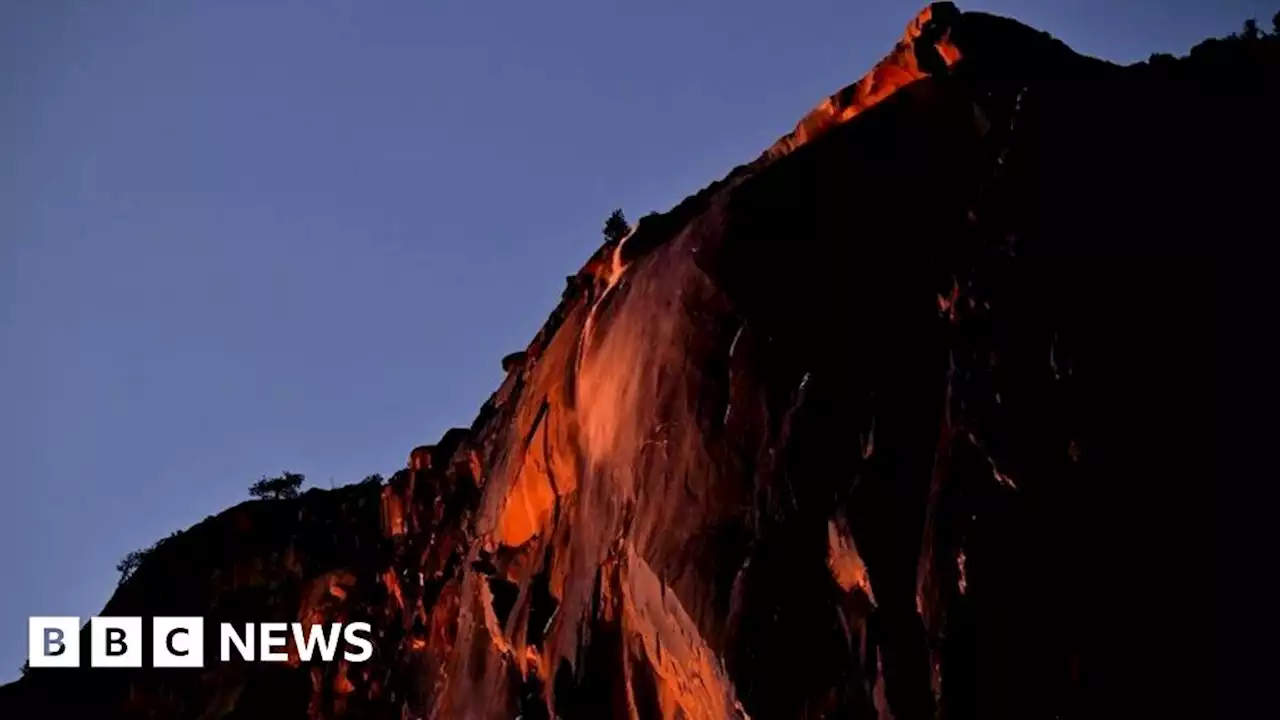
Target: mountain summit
[[892, 421]]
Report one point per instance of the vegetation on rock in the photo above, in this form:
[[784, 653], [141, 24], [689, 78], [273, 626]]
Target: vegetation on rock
[[616, 227], [283, 487]]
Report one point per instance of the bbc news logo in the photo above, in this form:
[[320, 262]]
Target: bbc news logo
[[178, 642]]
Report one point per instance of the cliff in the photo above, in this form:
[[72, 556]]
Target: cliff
[[897, 420]]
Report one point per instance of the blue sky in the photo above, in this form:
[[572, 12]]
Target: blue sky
[[243, 237]]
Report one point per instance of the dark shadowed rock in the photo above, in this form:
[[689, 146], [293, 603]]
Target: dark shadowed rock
[[897, 420], [514, 361]]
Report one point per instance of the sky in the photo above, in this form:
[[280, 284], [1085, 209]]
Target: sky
[[238, 238]]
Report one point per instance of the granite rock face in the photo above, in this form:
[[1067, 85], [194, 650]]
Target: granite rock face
[[893, 421]]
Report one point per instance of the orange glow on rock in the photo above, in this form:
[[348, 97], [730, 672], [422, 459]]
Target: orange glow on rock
[[657, 632], [341, 684], [393, 514], [847, 568], [528, 504], [476, 467], [897, 70], [392, 584], [420, 458]]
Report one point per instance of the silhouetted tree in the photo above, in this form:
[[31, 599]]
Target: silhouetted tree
[[26, 667], [616, 227], [1250, 31], [130, 563], [1275, 24], [284, 487], [374, 479], [133, 560]]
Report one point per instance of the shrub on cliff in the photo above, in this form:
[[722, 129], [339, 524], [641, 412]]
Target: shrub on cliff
[[130, 563], [284, 487], [134, 559], [616, 227]]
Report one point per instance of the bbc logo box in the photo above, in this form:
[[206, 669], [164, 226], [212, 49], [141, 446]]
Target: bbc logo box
[[53, 642], [177, 642], [115, 642]]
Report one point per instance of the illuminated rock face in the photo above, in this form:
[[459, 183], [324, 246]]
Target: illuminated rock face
[[884, 424]]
